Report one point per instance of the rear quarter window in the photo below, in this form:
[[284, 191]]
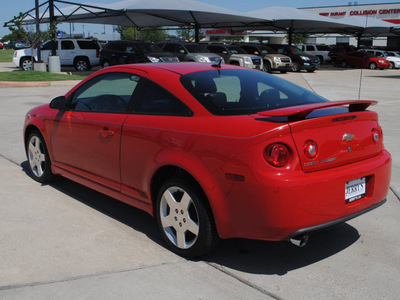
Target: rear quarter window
[[88, 45]]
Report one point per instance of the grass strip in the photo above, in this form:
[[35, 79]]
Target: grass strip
[[6, 55], [37, 76]]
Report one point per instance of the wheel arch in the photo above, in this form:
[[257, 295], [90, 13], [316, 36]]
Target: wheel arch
[[25, 57], [169, 171]]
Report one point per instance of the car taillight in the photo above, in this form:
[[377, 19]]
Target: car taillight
[[310, 149], [97, 52], [277, 155], [375, 135]]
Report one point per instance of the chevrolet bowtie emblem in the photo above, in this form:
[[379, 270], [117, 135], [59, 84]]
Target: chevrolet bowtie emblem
[[348, 137]]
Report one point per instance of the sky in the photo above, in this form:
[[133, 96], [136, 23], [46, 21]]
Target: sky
[[12, 8]]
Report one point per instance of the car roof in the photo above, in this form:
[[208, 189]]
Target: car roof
[[178, 68]]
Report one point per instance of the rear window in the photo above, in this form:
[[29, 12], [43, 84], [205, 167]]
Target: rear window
[[88, 45], [240, 92]]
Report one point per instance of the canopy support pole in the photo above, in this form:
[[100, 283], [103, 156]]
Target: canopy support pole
[[38, 30], [53, 34]]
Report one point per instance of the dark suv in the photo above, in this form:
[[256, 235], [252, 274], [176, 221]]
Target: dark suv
[[190, 51], [301, 60], [130, 52]]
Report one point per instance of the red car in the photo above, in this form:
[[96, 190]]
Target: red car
[[213, 151], [362, 59]]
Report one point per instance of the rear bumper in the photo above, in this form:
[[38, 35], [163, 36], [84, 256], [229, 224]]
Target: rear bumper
[[334, 222], [275, 206]]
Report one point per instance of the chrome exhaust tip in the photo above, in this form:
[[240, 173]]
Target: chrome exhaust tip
[[300, 240]]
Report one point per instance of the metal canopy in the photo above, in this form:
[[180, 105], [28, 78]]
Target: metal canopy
[[300, 21], [148, 13]]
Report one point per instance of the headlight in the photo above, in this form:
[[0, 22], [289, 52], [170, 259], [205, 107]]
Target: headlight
[[203, 59], [305, 58], [277, 59], [247, 59], [381, 61], [153, 59]]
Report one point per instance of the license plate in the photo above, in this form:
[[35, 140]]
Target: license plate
[[355, 189]]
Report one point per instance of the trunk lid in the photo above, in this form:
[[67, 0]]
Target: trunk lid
[[340, 138]]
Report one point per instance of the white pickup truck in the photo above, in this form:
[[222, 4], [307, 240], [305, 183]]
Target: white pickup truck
[[80, 53], [320, 51]]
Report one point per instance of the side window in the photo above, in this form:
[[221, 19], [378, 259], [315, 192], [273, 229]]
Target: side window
[[47, 46], [310, 48], [88, 44], [169, 47], [110, 93], [67, 45], [152, 99]]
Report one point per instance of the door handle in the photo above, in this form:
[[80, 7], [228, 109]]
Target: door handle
[[105, 132]]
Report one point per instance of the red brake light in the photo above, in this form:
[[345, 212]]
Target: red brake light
[[310, 149], [97, 52], [277, 155]]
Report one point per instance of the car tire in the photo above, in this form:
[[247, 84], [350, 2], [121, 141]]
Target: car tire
[[184, 218], [296, 67], [321, 59], [38, 158], [310, 71], [26, 64], [267, 67], [373, 66], [283, 72], [82, 64], [343, 64], [391, 65], [105, 64]]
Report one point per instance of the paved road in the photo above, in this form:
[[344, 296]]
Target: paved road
[[64, 241]]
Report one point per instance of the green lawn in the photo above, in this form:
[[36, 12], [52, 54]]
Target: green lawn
[[36, 76], [6, 55]]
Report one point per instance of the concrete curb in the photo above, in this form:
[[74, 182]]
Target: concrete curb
[[12, 84]]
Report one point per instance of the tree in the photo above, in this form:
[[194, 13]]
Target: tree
[[146, 34], [188, 34], [298, 38], [17, 31]]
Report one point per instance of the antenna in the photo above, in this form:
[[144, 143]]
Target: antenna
[[217, 65], [361, 72]]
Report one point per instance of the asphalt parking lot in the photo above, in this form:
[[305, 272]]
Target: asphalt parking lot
[[65, 241]]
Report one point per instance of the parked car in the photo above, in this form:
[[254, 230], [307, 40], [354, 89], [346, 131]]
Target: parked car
[[213, 151], [394, 61], [190, 51], [272, 60], [339, 50], [1, 45], [80, 53], [320, 51], [132, 52], [235, 55], [301, 60], [393, 53], [362, 59], [15, 45]]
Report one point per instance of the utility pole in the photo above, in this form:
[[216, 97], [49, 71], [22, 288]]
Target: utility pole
[[53, 34]]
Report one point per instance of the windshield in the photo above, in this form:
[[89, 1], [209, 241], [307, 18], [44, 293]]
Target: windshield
[[149, 47], [241, 92], [236, 50], [195, 48], [267, 50]]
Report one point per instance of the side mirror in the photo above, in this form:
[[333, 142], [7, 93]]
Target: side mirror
[[59, 102]]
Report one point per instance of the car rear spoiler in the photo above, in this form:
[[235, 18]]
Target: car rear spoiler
[[302, 111]]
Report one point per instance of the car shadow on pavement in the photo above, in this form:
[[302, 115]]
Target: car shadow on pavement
[[279, 258], [250, 256]]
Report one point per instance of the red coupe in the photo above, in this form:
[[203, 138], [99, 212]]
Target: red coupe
[[213, 151], [362, 59]]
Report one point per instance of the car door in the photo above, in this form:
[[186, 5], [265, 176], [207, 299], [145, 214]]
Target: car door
[[86, 137], [67, 52]]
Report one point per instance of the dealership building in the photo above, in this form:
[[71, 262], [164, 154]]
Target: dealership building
[[388, 12]]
